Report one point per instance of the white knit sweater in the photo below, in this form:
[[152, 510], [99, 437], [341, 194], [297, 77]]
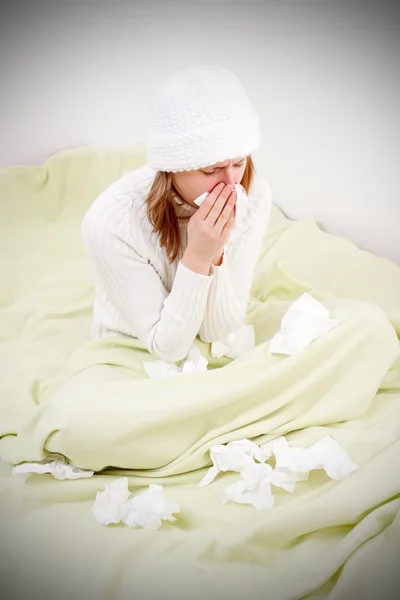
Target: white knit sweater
[[139, 293]]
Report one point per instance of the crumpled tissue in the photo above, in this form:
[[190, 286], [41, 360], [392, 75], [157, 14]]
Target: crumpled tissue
[[292, 464], [255, 486], [242, 204], [194, 362], [325, 454], [305, 321], [234, 456], [148, 509], [59, 470], [236, 344]]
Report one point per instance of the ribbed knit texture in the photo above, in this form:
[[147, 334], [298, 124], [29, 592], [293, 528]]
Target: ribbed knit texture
[[139, 293]]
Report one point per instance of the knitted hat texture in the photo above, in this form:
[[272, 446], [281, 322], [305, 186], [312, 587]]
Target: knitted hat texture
[[200, 115]]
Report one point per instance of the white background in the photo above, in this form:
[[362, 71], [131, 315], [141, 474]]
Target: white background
[[322, 74]]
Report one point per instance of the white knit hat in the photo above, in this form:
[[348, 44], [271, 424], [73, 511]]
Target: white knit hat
[[200, 115]]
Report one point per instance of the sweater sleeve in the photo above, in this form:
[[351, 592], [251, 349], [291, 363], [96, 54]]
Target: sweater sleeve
[[230, 287], [166, 322]]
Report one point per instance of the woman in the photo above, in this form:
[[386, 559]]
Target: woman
[[165, 269]]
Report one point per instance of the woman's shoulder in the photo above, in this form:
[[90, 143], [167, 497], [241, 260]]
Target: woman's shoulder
[[131, 188], [122, 202]]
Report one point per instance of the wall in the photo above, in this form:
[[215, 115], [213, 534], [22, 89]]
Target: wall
[[323, 75]]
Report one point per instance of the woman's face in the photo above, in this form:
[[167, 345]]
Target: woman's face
[[191, 184]]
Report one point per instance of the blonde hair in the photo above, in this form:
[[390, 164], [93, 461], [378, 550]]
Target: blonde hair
[[161, 209]]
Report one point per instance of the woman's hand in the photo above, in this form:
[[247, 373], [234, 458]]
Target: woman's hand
[[209, 229]]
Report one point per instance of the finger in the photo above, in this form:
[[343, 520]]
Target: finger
[[208, 203], [227, 213], [219, 205], [229, 225]]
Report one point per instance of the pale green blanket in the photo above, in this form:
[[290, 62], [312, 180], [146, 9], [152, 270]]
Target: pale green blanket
[[92, 402]]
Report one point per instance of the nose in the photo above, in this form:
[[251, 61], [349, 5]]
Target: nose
[[229, 177]]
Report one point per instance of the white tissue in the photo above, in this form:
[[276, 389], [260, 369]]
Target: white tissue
[[146, 510], [260, 497], [195, 362], [110, 505], [255, 486], [59, 470], [200, 199], [234, 456], [156, 369], [291, 465], [325, 454], [305, 321], [236, 344], [242, 204], [149, 509]]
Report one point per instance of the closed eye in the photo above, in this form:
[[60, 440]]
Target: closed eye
[[238, 166]]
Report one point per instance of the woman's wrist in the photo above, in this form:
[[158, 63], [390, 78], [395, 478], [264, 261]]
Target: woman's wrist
[[194, 264]]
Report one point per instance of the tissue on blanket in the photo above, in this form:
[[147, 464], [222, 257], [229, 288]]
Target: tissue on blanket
[[255, 486], [291, 465], [110, 505], [59, 470], [325, 454], [234, 456], [236, 344], [194, 362], [242, 204], [305, 321], [146, 510], [149, 509], [260, 497]]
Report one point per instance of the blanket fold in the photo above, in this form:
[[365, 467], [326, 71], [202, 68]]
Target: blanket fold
[[92, 402]]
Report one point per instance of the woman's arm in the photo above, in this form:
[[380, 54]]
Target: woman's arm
[[230, 287], [167, 323]]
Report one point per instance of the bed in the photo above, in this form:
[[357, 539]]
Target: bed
[[89, 401]]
